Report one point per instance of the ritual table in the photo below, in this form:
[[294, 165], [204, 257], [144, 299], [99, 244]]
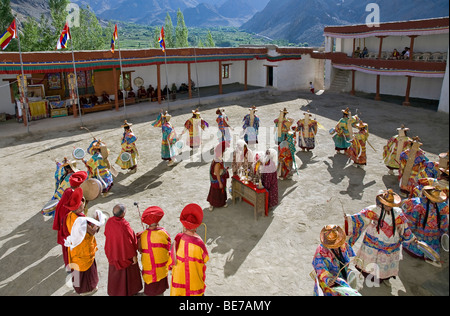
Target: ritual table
[[258, 198]]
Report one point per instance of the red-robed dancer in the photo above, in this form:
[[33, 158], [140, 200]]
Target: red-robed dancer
[[124, 275], [189, 256], [61, 211], [154, 244], [218, 174]]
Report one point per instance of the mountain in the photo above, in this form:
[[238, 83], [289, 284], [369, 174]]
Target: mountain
[[300, 21]]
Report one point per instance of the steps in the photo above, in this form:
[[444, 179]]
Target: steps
[[340, 81]]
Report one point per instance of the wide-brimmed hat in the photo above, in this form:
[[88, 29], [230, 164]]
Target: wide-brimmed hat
[[126, 124], [416, 141], [361, 125], [402, 128], [389, 198], [71, 163], [191, 216], [77, 178], [284, 110], [332, 236], [75, 200], [346, 111], [196, 112], [307, 113], [253, 108], [434, 194], [152, 215]]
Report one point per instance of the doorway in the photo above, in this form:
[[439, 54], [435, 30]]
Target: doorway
[[269, 76]]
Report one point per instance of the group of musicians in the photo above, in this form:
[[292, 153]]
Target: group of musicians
[[422, 216]]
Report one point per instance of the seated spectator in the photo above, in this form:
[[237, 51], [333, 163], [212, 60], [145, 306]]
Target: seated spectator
[[184, 87], [94, 100], [364, 53], [406, 53], [150, 91], [174, 88], [105, 97], [395, 54], [120, 94], [165, 91], [131, 94], [142, 93], [357, 52]]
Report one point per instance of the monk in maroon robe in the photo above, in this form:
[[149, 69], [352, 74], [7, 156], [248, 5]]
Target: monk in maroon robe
[[61, 211], [124, 275]]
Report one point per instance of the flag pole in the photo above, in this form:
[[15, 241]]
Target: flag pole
[[76, 80], [167, 80], [196, 71], [121, 76], [25, 103]]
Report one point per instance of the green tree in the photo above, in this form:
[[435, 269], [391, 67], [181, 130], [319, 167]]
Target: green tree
[[168, 32], [89, 35], [181, 31], [210, 40], [37, 36], [58, 13]]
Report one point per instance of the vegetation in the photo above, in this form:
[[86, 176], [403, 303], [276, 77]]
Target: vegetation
[[43, 34]]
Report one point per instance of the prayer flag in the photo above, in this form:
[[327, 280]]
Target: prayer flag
[[64, 38], [162, 43], [114, 38], [10, 33]]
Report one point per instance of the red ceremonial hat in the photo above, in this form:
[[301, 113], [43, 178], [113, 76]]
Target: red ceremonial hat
[[77, 178], [191, 216], [75, 200], [152, 215]]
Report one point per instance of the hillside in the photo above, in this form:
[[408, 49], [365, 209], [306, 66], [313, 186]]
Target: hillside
[[300, 21]]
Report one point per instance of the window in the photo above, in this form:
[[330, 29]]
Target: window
[[225, 71]]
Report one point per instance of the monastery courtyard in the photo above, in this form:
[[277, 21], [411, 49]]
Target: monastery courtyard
[[270, 256]]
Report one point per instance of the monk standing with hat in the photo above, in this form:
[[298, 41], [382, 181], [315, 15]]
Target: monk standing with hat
[[81, 256], [61, 210], [189, 256], [124, 275], [154, 245]]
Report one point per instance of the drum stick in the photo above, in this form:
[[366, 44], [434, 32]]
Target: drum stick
[[140, 217], [82, 127]]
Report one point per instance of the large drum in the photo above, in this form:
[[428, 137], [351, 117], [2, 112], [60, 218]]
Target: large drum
[[49, 207], [125, 156], [78, 153], [91, 189]]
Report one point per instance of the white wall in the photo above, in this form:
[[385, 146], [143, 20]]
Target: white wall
[[5, 96], [443, 100]]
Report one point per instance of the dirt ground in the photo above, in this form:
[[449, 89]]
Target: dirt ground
[[271, 256]]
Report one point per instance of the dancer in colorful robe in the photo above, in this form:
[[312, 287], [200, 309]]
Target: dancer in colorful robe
[[124, 275], [154, 245], [394, 147], [61, 210], [128, 145], [307, 130], [218, 175], [224, 127], [282, 125], [189, 256], [330, 263], [384, 228], [357, 149], [344, 131], [413, 164], [428, 220], [251, 126], [195, 125], [169, 138], [98, 166], [286, 156]]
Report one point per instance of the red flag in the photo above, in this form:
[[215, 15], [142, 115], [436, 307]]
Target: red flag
[[10, 33], [162, 43]]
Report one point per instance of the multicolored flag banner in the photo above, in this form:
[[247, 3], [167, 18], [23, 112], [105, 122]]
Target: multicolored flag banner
[[114, 39], [10, 33], [161, 41], [64, 38]]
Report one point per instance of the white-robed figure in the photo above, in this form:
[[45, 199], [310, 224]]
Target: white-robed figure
[[251, 126]]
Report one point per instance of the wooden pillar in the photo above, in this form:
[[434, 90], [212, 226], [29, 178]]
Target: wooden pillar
[[220, 77], [189, 80], [408, 90], [158, 72], [353, 83], [246, 75], [353, 51], [377, 96], [116, 88], [411, 47], [380, 49]]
